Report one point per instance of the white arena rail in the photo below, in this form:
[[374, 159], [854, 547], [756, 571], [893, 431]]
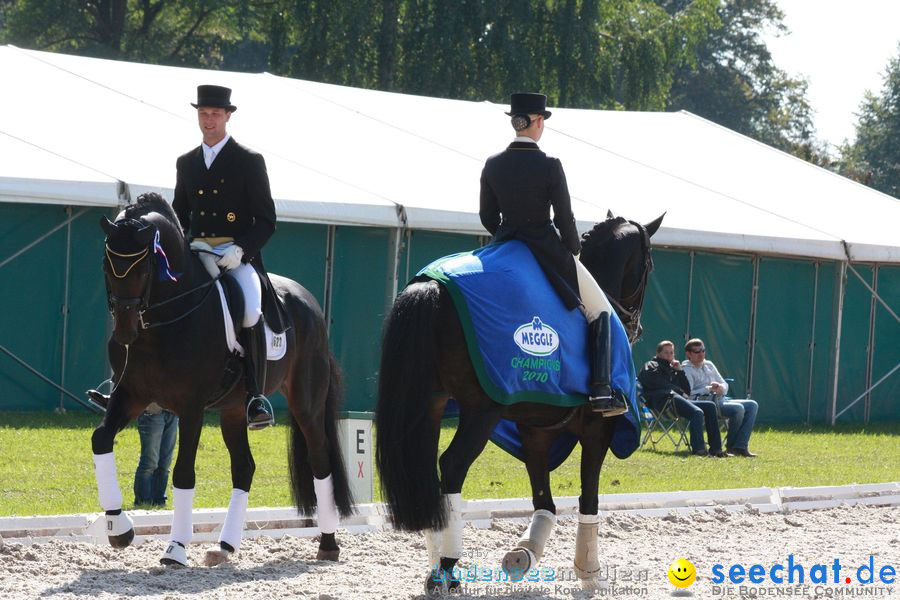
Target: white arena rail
[[276, 522]]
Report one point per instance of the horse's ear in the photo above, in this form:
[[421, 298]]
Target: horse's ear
[[145, 234], [653, 225], [107, 225], [609, 214]]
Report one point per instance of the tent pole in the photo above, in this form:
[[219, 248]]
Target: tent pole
[[754, 296], [812, 343], [687, 320], [870, 358], [842, 288], [65, 308], [329, 274]]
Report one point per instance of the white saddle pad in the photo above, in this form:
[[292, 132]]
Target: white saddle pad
[[276, 343]]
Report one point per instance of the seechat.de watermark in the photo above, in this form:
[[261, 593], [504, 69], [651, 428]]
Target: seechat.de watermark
[[792, 578]]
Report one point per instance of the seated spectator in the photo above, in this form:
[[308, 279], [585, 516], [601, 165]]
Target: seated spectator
[[706, 382], [662, 377]]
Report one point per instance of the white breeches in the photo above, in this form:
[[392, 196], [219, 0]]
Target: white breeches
[[249, 281], [593, 299]]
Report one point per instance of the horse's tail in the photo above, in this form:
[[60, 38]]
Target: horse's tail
[[406, 442], [302, 489]]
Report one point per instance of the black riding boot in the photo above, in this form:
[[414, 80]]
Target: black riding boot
[[258, 415], [602, 399]]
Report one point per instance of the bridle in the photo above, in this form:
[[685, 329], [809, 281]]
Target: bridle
[[629, 307], [142, 302]]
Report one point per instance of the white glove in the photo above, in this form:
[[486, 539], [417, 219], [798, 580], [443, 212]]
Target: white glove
[[231, 259]]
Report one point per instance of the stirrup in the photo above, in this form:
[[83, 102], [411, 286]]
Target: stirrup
[[255, 425], [98, 400], [612, 405]]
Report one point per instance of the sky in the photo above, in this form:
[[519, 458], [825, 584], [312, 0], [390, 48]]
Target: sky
[[842, 48]]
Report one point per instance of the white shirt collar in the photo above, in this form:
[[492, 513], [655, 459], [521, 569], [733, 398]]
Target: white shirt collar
[[211, 152], [524, 138]]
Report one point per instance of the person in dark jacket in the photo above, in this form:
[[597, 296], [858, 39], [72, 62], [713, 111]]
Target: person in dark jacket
[[662, 377], [519, 187], [222, 199]]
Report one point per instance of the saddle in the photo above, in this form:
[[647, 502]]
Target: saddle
[[273, 309]]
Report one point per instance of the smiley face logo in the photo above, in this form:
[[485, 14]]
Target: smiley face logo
[[231, 217], [682, 573]]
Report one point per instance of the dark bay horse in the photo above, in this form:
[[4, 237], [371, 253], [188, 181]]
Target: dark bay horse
[[169, 346], [425, 361]]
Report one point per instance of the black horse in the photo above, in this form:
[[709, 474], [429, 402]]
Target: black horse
[[169, 346], [424, 362]]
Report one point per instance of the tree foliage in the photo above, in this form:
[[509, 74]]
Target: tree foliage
[[874, 157], [582, 53], [735, 82]]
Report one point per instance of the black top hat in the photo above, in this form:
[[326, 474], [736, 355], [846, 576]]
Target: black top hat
[[526, 103], [214, 96]]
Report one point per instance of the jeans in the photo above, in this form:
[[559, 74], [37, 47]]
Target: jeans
[[697, 413], [157, 446], [741, 416]]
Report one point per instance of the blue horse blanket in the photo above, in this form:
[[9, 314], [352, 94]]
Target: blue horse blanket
[[524, 344]]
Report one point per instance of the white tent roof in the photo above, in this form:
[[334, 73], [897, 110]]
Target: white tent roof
[[72, 128]]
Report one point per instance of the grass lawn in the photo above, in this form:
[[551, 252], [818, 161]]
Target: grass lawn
[[46, 465]]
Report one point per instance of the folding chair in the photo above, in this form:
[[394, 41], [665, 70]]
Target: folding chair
[[662, 424]]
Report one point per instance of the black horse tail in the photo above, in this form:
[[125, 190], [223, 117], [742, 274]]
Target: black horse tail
[[302, 489], [406, 442]]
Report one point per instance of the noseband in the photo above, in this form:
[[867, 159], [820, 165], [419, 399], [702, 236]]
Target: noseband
[[112, 301]]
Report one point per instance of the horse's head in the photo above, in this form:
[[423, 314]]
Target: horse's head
[[134, 257], [617, 253], [128, 269]]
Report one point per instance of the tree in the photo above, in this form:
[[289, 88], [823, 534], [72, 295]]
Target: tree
[[735, 82], [188, 32], [874, 158]]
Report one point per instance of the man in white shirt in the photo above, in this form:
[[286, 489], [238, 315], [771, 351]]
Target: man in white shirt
[[706, 381]]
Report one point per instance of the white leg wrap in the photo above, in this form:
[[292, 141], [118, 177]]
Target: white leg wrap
[[538, 532], [433, 544], [107, 481], [182, 506], [452, 542], [587, 556], [234, 519], [326, 512]]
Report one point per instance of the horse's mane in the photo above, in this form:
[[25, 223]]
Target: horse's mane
[[151, 202], [601, 234]]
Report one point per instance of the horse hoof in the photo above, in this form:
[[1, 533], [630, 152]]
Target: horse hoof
[[119, 529], [518, 562], [175, 555], [590, 586], [331, 555], [216, 557], [436, 584], [123, 540]]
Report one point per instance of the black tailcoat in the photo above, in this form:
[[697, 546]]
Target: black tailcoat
[[230, 199], [518, 188]]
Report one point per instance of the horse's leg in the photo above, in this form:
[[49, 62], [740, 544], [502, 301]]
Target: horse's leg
[[234, 432], [530, 547], [183, 478], [312, 388], [119, 527], [472, 434], [595, 440]]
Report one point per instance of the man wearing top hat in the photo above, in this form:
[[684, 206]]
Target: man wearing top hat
[[519, 186], [222, 198]]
